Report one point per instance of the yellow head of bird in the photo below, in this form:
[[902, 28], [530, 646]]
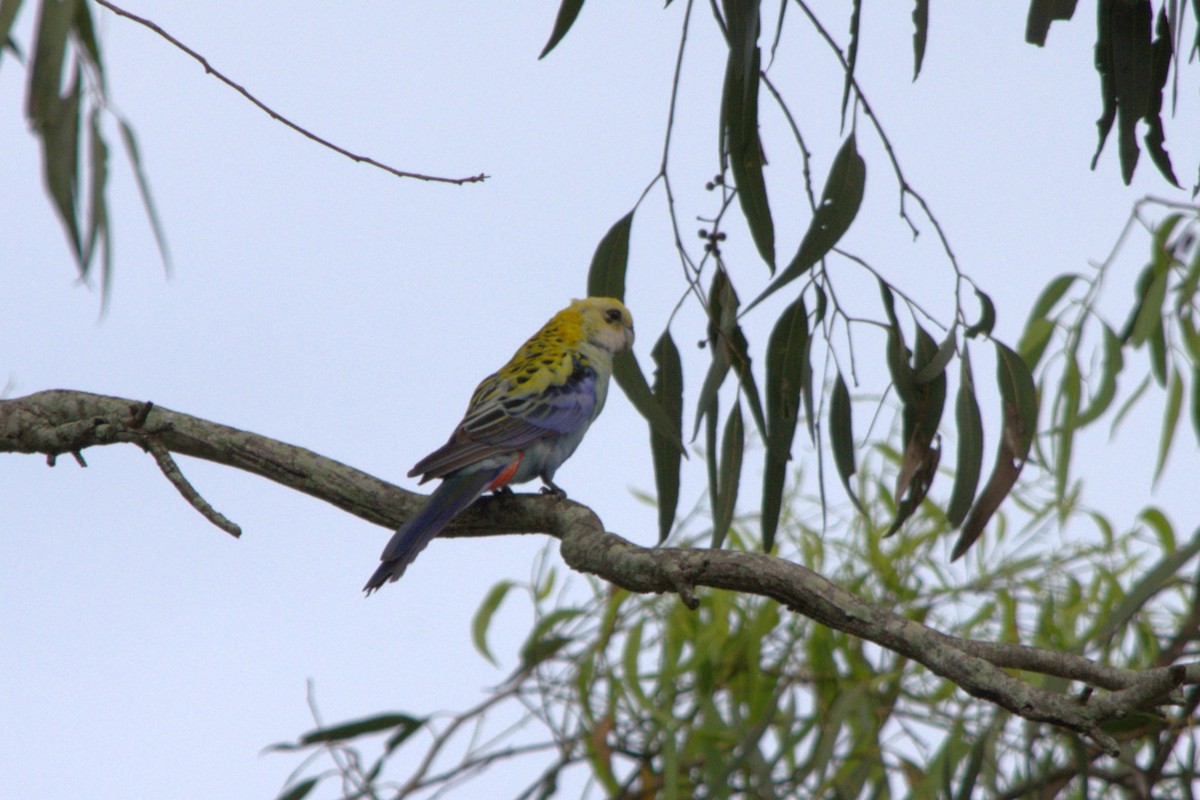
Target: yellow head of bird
[[605, 322]]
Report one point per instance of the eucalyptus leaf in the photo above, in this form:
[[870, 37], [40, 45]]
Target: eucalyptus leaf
[[568, 11], [841, 436]]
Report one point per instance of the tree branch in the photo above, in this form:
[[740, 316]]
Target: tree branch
[[275, 115], [59, 421]]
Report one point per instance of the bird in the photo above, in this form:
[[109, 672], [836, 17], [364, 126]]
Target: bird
[[523, 422]]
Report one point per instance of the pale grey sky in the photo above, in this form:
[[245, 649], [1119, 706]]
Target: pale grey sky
[[328, 304]]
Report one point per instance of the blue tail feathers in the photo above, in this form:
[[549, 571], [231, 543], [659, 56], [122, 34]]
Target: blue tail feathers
[[447, 501]]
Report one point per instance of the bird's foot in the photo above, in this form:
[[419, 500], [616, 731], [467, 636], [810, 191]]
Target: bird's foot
[[553, 489], [502, 491]]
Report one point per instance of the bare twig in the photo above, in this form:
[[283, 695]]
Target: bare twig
[[691, 272], [173, 474], [310, 698], [906, 188], [275, 115], [418, 779], [480, 762]]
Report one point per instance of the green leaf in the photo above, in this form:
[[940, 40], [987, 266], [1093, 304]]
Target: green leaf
[[628, 375], [730, 350], [979, 751], [897, 351], [49, 50], [1114, 362], [1196, 401], [300, 790], [8, 14], [841, 436], [1145, 277], [1170, 422], [668, 391], [722, 318], [143, 187], [921, 416], [1104, 67], [970, 447], [85, 33], [632, 679], [787, 370], [1161, 54], [1146, 321], [1129, 403], [1067, 416], [711, 458], [733, 443], [567, 12], [987, 317], [538, 645], [1017, 387], [1158, 355], [1041, 14], [1039, 326], [920, 17], [360, 727], [606, 276], [1032, 344], [1150, 314], [539, 650], [97, 229], [1132, 74], [1163, 530], [483, 618], [60, 156], [1019, 402], [739, 119], [936, 366], [839, 205], [1050, 296], [1161, 576], [706, 404], [1138, 725], [740, 354]]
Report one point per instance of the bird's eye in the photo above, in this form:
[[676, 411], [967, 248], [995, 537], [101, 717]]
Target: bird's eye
[[612, 315]]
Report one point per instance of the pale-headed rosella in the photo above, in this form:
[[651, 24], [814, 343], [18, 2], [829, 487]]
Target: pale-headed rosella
[[523, 422]]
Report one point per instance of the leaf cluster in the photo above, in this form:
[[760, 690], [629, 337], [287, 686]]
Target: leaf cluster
[[638, 696], [74, 152]]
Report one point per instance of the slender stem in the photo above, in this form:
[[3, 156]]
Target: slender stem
[[275, 115]]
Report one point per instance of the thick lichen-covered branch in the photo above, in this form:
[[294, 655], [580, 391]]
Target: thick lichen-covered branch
[[58, 422]]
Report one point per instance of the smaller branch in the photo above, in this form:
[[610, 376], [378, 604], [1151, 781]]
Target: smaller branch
[[275, 115], [549, 776], [906, 189], [480, 762], [687, 16], [805, 155], [173, 474], [691, 273], [350, 774], [418, 781], [909, 301]]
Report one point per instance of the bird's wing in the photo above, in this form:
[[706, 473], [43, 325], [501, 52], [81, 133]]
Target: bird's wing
[[505, 416]]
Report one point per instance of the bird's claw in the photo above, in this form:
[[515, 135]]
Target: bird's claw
[[502, 491], [553, 489]]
